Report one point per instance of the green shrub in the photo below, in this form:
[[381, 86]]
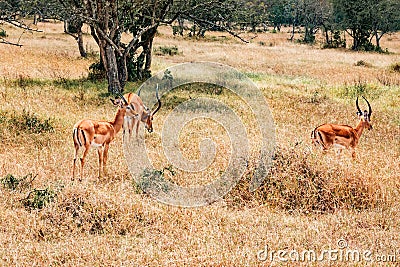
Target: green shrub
[[167, 50], [39, 198], [97, 72], [3, 33], [12, 182], [30, 122], [153, 181]]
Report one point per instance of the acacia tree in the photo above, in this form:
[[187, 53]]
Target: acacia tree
[[12, 12], [364, 20], [109, 19], [386, 19], [276, 14], [313, 14]]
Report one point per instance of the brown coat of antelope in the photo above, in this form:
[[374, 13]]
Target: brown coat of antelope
[[145, 115], [343, 136], [99, 134]]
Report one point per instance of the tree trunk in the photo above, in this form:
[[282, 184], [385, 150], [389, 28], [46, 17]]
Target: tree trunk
[[81, 46], [181, 25], [114, 85], [148, 58], [293, 28], [377, 39], [328, 42]]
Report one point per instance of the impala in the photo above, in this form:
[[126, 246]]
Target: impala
[[99, 134], [145, 115], [343, 136]]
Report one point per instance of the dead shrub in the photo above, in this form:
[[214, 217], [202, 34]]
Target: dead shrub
[[299, 182], [78, 211]]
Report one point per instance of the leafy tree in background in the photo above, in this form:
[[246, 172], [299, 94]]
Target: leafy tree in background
[[313, 13], [386, 19], [366, 19], [12, 12], [277, 15]]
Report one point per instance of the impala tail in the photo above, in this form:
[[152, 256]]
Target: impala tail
[[317, 139], [79, 137]]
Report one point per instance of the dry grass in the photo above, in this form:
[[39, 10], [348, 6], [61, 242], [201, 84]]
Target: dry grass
[[308, 201]]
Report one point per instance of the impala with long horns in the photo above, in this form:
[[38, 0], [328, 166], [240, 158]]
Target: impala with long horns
[[99, 134], [343, 136], [145, 115]]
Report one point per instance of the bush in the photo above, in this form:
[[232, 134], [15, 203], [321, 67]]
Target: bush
[[299, 182], [153, 181], [395, 67], [85, 212], [3, 33], [97, 72], [167, 50], [39, 198], [362, 63], [31, 123], [11, 182]]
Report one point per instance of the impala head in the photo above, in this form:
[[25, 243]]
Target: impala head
[[123, 104], [365, 116], [148, 114]]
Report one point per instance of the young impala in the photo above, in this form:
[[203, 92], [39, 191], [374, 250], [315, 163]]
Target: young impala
[[342, 136], [145, 115], [99, 134]]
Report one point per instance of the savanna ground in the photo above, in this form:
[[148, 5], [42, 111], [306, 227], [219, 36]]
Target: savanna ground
[[309, 201]]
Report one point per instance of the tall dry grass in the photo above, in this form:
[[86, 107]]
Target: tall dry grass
[[309, 200]]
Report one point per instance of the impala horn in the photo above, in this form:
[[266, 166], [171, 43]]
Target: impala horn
[[358, 108], [159, 102], [369, 107], [122, 97]]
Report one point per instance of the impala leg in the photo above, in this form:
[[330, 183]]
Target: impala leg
[[105, 157], [137, 121], [100, 153], [76, 146], [353, 153], [127, 125], [85, 152], [130, 126]]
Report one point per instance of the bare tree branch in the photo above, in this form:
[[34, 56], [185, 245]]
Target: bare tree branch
[[20, 25], [4, 41], [218, 26]]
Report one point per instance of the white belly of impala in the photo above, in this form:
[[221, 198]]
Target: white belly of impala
[[339, 146], [94, 144]]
